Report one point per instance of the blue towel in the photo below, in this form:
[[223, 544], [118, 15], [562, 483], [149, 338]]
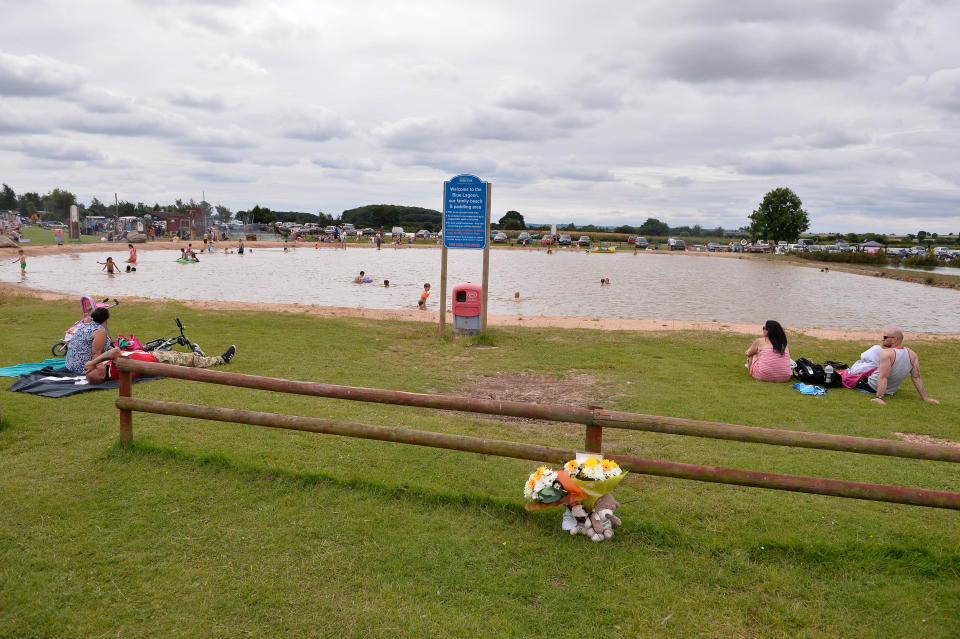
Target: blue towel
[[807, 389], [23, 369]]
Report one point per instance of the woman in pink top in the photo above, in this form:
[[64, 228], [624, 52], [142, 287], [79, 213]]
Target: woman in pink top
[[768, 358]]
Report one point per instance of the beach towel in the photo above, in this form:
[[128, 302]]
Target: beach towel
[[20, 369], [807, 389], [59, 382]]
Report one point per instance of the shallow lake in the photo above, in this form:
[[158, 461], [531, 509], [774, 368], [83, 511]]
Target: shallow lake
[[646, 285]]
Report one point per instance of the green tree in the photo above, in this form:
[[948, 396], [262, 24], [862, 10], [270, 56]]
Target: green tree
[[29, 203], [8, 199], [653, 226], [262, 215], [779, 217], [96, 207], [921, 235], [718, 232], [57, 204], [512, 221], [625, 229], [224, 213]]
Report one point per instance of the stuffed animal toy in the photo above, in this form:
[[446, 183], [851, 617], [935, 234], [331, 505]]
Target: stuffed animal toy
[[602, 518], [582, 518]]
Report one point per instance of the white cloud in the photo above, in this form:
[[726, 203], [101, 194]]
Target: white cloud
[[34, 75]]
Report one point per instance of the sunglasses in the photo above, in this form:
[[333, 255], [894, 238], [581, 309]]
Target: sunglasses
[[888, 336]]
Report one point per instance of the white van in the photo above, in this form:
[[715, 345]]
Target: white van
[[397, 230]]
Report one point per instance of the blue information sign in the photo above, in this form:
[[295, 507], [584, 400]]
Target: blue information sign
[[465, 213]]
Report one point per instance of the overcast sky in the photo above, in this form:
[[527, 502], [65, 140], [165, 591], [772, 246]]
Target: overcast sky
[[590, 112]]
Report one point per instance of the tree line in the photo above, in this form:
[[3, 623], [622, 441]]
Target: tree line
[[780, 216]]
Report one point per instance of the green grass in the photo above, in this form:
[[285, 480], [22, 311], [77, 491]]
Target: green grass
[[206, 529], [43, 237]]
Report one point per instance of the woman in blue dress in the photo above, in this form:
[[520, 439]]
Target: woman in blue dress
[[90, 340]]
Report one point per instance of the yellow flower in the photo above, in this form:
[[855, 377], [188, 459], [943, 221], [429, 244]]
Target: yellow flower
[[571, 465], [609, 464], [539, 473], [531, 483], [591, 462]]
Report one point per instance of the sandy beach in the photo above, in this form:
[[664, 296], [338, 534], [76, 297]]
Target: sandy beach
[[412, 315]]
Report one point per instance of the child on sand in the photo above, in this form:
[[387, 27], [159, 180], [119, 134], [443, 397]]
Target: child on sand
[[23, 261], [109, 266], [422, 304]]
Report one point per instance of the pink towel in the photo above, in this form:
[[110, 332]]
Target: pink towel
[[850, 380]]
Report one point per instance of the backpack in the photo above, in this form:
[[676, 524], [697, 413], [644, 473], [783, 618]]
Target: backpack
[[808, 372]]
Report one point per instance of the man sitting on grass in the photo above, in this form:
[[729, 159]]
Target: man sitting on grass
[[97, 374], [896, 362]]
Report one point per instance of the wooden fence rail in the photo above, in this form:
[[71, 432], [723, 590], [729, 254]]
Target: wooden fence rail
[[594, 418]]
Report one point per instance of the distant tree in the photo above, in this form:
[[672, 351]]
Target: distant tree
[[934, 235], [224, 214], [696, 231], [262, 215], [911, 236], [625, 229], [57, 203], [921, 235], [512, 220], [718, 232], [852, 238], [779, 217], [684, 231], [96, 207], [29, 203], [8, 199], [653, 226]]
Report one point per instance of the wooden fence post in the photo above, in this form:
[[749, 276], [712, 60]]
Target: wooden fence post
[[595, 435], [126, 416]]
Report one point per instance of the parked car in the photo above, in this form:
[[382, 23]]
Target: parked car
[[632, 239], [534, 236], [500, 236], [548, 239], [368, 231], [564, 240], [329, 230], [523, 237], [714, 247], [641, 242], [584, 240], [676, 244]]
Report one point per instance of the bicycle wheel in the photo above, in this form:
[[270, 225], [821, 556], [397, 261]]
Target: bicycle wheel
[[152, 344], [59, 349]]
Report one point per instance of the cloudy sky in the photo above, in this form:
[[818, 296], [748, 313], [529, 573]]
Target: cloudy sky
[[603, 112]]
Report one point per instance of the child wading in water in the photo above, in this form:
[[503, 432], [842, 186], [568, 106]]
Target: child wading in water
[[23, 261], [109, 266], [422, 304]]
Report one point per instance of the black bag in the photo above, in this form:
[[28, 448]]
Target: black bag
[[808, 372]]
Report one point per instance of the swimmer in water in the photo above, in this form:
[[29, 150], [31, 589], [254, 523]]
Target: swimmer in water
[[386, 283], [359, 278], [422, 304], [516, 296], [109, 266]]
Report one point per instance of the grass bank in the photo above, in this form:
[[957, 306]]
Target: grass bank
[[205, 529]]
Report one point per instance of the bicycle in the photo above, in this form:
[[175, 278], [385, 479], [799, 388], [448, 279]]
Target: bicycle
[[161, 344]]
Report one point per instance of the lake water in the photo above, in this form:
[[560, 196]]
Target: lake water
[[645, 286]]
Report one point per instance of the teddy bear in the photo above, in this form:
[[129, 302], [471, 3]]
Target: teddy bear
[[582, 517], [602, 518]]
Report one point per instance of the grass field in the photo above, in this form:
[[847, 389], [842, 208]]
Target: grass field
[[205, 529]]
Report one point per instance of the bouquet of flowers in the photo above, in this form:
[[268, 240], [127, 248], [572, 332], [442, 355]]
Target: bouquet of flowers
[[545, 488], [594, 476]]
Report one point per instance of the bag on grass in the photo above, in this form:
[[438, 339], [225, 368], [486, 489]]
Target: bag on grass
[[808, 372]]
